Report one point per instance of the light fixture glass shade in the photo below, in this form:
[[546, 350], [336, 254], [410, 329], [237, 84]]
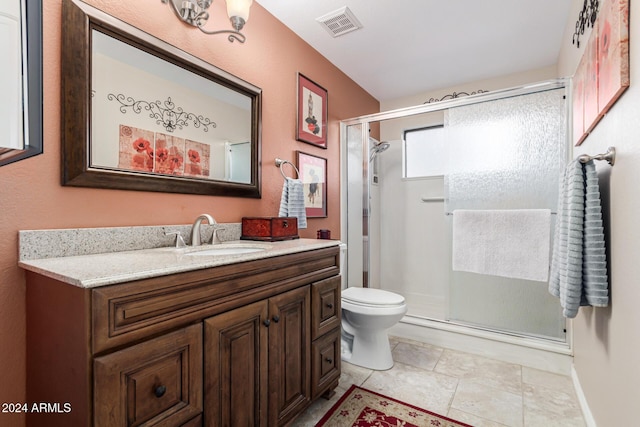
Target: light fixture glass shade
[[239, 9]]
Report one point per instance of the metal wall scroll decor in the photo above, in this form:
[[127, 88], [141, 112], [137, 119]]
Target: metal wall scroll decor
[[586, 18], [454, 95], [165, 113]]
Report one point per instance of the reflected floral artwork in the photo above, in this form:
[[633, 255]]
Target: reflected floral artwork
[[136, 149], [145, 151], [169, 157], [198, 162]]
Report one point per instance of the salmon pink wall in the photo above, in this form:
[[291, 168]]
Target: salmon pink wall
[[31, 196]]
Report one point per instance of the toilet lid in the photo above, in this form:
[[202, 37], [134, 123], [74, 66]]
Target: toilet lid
[[371, 296]]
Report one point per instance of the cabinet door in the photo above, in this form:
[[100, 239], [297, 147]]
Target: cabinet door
[[289, 355], [235, 354], [156, 382]]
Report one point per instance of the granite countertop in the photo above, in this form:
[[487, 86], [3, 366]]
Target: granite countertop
[[89, 271]]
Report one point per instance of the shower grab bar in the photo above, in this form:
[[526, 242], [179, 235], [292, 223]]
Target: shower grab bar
[[609, 156], [280, 163], [432, 199]]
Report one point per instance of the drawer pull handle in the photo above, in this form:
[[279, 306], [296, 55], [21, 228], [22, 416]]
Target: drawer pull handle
[[328, 360], [330, 305], [267, 322], [285, 224], [276, 319], [160, 391]]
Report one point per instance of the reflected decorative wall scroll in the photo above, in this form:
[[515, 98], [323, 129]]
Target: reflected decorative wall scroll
[[603, 73]]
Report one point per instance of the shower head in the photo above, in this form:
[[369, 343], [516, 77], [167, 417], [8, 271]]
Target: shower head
[[377, 149]]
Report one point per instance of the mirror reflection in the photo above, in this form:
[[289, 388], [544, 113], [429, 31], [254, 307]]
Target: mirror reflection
[[150, 116]]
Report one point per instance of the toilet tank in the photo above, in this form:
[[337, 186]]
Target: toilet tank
[[343, 265]]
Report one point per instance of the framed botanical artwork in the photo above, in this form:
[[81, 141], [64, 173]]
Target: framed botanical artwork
[[313, 173], [603, 71], [311, 124], [613, 52]]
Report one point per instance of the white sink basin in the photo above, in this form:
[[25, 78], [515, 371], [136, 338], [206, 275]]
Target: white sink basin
[[225, 251]]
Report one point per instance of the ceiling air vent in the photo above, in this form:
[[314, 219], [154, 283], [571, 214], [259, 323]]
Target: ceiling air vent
[[339, 22]]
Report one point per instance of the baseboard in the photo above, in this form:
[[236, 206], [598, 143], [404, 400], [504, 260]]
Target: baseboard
[[538, 354], [582, 399]]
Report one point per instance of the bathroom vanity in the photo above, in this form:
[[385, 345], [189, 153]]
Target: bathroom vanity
[[174, 338]]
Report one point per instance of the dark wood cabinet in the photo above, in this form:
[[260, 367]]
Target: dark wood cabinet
[[235, 357], [257, 362], [289, 355], [157, 381], [245, 344]]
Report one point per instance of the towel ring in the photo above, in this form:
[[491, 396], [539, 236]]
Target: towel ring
[[280, 163]]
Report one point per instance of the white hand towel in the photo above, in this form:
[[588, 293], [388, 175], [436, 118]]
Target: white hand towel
[[292, 201], [507, 243]]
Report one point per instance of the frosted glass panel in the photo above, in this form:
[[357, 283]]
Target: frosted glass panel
[[506, 154], [356, 192]]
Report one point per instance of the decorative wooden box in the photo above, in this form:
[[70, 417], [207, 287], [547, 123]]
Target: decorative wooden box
[[270, 229]]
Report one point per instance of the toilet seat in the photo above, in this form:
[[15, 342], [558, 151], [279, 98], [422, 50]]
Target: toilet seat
[[371, 297]]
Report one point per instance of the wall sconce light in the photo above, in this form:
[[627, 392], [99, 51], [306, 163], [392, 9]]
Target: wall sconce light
[[194, 12]]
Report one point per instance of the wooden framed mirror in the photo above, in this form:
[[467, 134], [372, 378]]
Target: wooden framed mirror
[[21, 80], [140, 114]]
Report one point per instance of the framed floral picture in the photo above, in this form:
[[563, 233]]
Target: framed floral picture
[[603, 71], [311, 124], [313, 174]]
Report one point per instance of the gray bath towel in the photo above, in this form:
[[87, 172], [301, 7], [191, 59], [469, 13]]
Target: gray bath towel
[[579, 266], [292, 201]]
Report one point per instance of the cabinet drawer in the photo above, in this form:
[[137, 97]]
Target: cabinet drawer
[[325, 302], [133, 311], [325, 359], [159, 380]]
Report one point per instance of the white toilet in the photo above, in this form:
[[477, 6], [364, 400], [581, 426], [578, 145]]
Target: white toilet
[[367, 314]]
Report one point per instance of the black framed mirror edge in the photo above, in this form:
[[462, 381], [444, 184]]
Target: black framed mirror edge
[[34, 116], [79, 19]]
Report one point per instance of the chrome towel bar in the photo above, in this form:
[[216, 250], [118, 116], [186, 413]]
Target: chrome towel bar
[[609, 156]]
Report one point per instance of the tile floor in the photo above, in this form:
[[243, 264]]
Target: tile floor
[[476, 390]]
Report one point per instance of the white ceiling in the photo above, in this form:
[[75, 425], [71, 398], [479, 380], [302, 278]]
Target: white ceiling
[[414, 46]]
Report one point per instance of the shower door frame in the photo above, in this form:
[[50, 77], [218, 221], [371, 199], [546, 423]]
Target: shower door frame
[[563, 347]]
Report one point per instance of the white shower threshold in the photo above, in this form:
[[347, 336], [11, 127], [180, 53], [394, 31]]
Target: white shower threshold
[[535, 353]]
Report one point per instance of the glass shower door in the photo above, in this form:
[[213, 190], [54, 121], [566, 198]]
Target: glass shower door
[[506, 154]]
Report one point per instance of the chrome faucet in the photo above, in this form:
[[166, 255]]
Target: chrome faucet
[[195, 230]]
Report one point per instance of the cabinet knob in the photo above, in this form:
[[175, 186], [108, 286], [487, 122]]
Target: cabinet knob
[[328, 360], [285, 224], [276, 319], [330, 305], [160, 391], [267, 322]]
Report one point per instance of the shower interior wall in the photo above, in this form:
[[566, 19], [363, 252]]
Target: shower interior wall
[[421, 229], [410, 240]]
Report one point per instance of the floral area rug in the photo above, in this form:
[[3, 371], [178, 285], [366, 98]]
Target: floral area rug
[[360, 407]]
